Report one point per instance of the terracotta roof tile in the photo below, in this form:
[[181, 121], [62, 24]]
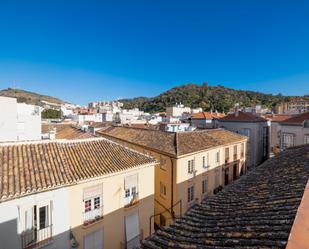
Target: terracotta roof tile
[[32, 167], [207, 115], [298, 119], [66, 131], [242, 117], [175, 144], [278, 117], [256, 211]]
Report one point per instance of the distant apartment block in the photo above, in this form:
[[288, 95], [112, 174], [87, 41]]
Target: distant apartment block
[[178, 110], [193, 165], [19, 121], [255, 128], [86, 194], [292, 107]]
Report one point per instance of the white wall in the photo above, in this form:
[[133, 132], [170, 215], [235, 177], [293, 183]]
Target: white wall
[[8, 116], [10, 218]]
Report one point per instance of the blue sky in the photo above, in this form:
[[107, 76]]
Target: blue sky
[[98, 50]]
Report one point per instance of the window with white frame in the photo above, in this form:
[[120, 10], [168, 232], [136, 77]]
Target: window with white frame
[[204, 186], [190, 166], [206, 161], [36, 223], [162, 190], [130, 188], [287, 140], [92, 198], [306, 139], [190, 193]]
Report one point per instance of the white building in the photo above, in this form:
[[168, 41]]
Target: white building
[[19, 121], [294, 131], [178, 110], [176, 127]]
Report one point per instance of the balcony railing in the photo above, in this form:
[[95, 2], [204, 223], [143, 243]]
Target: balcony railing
[[36, 238], [93, 215], [131, 200]]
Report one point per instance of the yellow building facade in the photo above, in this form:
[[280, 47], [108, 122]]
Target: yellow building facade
[[196, 170]]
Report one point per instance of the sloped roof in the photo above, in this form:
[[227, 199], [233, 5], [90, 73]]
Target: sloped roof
[[66, 131], [173, 143], [242, 117], [207, 115], [297, 120], [256, 211], [278, 117], [32, 167]]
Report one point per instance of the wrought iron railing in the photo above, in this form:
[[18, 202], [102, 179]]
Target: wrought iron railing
[[93, 215], [35, 238]]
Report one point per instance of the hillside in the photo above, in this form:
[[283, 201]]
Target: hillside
[[29, 97], [208, 97]]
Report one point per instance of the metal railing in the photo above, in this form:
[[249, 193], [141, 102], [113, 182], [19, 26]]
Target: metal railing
[[93, 215], [36, 238], [131, 200]]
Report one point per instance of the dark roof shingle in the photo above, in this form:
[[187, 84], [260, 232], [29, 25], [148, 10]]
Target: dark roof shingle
[[256, 211]]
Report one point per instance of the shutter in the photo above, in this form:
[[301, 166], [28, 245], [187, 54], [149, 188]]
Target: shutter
[[132, 226], [131, 181], [92, 192]]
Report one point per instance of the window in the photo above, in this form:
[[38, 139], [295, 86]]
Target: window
[[227, 154], [97, 203], [88, 206], [92, 197], [162, 163], [190, 166], [287, 140], [130, 188], [218, 157], [127, 193], [306, 139], [242, 150], [235, 152], [162, 189], [204, 186], [94, 240], [43, 214], [205, 161], [190, 193]]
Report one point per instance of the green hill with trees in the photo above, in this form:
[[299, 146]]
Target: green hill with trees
[[208, 97]]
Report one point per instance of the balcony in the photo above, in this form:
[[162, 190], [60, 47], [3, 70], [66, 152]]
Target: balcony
[[131, 200], [36, 238], [93, 215]]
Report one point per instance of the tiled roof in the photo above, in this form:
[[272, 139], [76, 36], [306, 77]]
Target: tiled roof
[[207, 115], [66, 131], [32, 167], [278, 117], [242, 117], [297, 120], [256, 211], [173, 143]]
